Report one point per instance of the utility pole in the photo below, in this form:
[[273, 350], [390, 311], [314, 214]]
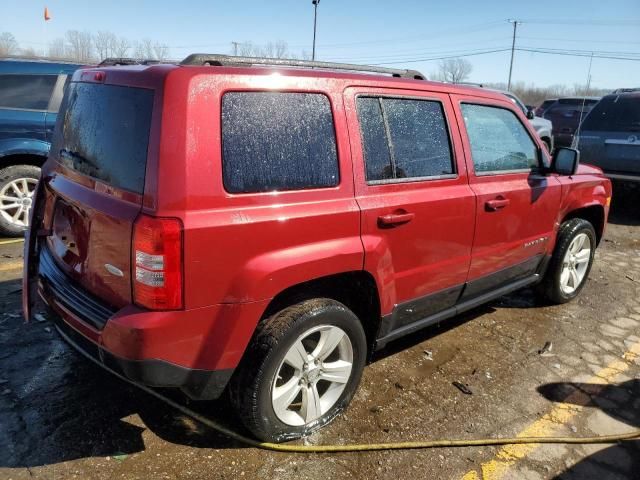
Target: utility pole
[[235, 47], [315, 18], [513, 48]]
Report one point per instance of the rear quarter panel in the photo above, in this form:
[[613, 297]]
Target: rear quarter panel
[[248, 247]]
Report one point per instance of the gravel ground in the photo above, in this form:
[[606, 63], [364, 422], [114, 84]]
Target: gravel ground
[[61, 417]]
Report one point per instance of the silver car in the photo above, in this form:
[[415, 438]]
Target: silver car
[[609, 136]]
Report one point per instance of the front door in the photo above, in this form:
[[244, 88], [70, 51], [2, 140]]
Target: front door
[[517, 206], [417, 209]]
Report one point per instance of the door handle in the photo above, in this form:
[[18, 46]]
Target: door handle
[[497, 204], [393, 219]]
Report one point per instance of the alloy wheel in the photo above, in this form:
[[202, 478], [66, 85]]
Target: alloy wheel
[[575, 263], [15, 200]]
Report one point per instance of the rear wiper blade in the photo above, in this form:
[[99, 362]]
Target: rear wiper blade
[[76, 157]]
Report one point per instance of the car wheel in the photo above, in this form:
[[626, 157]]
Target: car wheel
[[300, 371], [570, 263], [17, 186]]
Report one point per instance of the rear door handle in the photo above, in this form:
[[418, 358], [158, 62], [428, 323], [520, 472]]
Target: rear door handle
[[393, 219], [497, 204]]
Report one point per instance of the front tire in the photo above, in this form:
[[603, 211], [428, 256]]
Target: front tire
[[17, 186], [300, 371], [570, 263]]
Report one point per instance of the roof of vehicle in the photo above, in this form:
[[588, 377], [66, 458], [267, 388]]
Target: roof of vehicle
[[17, 65], [230, 65]]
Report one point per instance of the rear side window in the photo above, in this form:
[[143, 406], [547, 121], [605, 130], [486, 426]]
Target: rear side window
[[31, 92], [620, 113], [404, 138], [499, 142], [277, 141], [105, 133]]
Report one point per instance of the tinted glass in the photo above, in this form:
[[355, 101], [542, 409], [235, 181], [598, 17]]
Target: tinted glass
[[499, 142], [617, 113], [414, 142], [26, 91], [105, 133], [277, 141], [374, 139]]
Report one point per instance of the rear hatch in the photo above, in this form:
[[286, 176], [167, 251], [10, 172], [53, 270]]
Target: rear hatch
[[610, 135], [94, 188]]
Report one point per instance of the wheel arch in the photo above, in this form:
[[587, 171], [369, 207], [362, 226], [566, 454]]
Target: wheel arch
[[594, 214], [33, 159], [357, 290]]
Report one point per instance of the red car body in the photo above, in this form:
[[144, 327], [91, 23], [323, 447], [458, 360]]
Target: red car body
[[405, 254]]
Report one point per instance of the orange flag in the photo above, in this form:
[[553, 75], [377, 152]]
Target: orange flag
[[46, 14]]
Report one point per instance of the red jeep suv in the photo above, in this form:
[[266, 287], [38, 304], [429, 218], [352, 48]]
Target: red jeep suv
[[262, 226]]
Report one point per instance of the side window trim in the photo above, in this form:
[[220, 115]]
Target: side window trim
[[488, 173], [56, 96], [452, 150]]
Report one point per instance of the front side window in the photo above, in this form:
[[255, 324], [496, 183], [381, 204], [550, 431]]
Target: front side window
[[273, 141], [404, 138], [499, 142], [31, 92]]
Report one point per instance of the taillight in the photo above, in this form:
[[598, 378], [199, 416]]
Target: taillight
[[157, 263]]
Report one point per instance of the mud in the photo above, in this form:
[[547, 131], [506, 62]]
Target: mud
[[61, 417]]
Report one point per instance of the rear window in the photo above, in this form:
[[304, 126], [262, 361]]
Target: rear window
[[277, 141], [105, 133], [619, 113], [30, 92]]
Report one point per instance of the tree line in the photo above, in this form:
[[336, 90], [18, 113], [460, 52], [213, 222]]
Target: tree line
[[85, 47]]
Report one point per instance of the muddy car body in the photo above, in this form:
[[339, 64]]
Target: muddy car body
[[265, 229]]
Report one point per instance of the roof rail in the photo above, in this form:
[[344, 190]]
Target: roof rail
[[217, 60], [108, 62]]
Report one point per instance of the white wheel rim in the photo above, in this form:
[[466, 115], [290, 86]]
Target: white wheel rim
[[575, 263], [15, 201], [312, 375]]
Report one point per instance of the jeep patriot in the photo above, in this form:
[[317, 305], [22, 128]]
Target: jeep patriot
[[260, 227]]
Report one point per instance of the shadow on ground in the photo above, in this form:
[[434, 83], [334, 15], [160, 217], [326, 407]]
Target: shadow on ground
[[620, 402], [55, 406], [624, 205]]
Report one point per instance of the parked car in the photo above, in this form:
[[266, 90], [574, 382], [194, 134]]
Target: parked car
[[609, 136], [542, 126], [226, 224], [539, 111], [565, 114], [30, 95]]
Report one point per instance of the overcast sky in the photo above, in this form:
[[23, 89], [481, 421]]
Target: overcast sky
[[402, 32]]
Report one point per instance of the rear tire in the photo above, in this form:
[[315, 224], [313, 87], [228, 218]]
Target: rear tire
[[570, 263], [17, 185], [287, 386]]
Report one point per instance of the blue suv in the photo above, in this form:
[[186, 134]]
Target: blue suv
[[30, 95]]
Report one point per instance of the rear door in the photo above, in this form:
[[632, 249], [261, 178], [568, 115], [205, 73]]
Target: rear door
[[517, 206], [93, 187], [417, 208]]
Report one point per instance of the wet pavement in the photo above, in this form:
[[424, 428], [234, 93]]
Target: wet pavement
[[571, 370]]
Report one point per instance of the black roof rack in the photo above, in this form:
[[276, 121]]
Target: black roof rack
[[109, 62], [217, 60]]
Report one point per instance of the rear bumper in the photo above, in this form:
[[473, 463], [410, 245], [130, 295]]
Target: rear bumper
[[194, 350], [197, 384]]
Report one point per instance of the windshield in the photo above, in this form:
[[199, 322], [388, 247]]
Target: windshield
[[105, 133]]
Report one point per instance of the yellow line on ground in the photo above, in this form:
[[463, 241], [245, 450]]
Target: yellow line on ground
[[9, 266], [10, 241], [562, 413]]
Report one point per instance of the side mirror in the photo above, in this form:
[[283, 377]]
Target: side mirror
[[565, 161], [531, 114]]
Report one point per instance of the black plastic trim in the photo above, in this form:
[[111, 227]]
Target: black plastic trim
[[81, 303]]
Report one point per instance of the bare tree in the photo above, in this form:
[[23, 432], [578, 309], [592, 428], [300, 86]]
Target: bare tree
[[8, 44], [160, 51], [121, 47], [28, 52], [278, 49], [248, 49], [57, 48], [454, 70], [80, 45], [105, 43]]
